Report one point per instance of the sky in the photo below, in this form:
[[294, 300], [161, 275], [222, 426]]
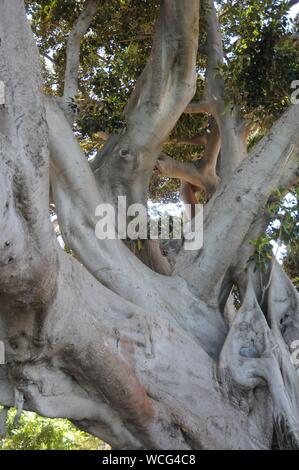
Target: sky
[[294, 11]]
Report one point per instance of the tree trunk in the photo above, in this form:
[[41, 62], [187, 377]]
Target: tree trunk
[[136, 358]]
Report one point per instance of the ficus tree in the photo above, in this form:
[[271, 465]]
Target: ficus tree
[[149, 352]]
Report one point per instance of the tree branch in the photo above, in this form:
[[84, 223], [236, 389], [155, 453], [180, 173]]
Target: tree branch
[[248, 190], [184, 140], [203, 106], [74, 187], [233, 149], [168, 81], [161, 95], [214, 86], [213, 97], [212, 149], [79, 29], [185, 171], [201, 175], [24, 162]]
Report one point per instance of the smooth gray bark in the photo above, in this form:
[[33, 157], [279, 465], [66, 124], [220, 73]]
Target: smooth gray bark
[[139, 359]]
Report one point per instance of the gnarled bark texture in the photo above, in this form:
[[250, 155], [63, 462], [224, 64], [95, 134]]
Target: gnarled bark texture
[[140, 359]]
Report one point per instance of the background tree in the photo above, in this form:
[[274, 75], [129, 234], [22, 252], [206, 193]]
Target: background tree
[[36, 433], [99, 337]]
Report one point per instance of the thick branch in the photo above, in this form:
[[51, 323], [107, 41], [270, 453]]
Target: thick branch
[[79, 29], [210, 158], [233, 149], [75, 192], [161, 95], [24, 172], [214, 86], [199, 107], [201, 175], [185, 171], [188, 196], [168, 82], [233, 209]]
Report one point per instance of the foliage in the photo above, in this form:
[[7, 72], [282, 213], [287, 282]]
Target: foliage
[[263, 253], [37, 433], [283, 230], [261, 58], [288, 234]]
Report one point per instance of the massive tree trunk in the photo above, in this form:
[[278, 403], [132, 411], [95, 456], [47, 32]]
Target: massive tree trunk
[[136, 358]]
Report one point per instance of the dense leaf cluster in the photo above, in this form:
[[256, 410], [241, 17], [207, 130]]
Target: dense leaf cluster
[[36, 433]]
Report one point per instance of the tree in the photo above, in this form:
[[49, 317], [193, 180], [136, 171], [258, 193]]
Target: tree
[[36, 433], [139, 358]]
